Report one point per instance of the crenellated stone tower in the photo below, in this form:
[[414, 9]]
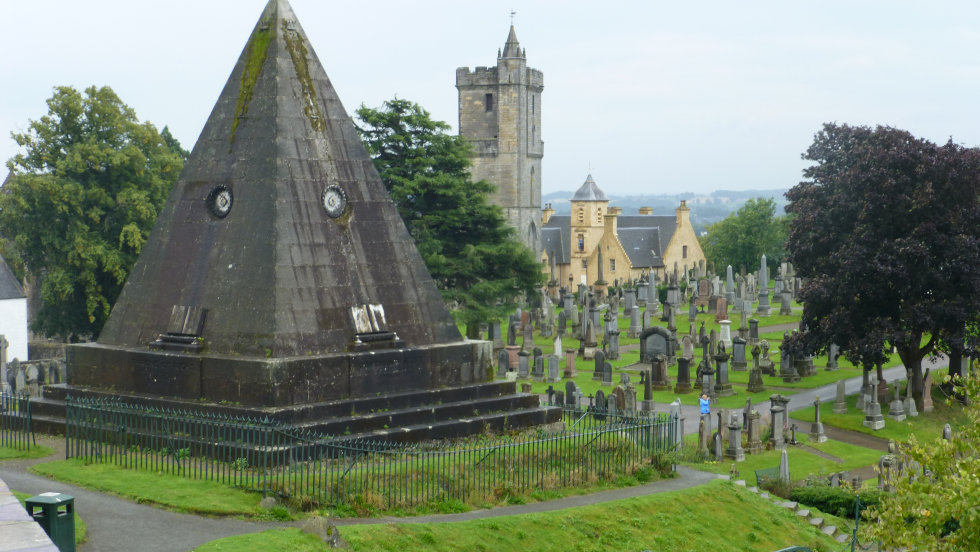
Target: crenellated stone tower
[[500, 115]]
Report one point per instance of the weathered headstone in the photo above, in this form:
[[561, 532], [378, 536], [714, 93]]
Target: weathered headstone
[[606, 374], [620, 395], [739, 361], [787, 365], [661, 381], [554, 374], [723, 387], [570, 394], [873, 417], [503, 363], [570, 371], [754, 429], [927, 392], [523, 364], [721, 310], [833, 351], [636, 324], [816, 428], [840, 401], [910, 409], [598, 361], [735, 450], [896, 409]]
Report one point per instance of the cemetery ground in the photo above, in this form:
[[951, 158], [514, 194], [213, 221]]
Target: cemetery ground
[[218, 510]]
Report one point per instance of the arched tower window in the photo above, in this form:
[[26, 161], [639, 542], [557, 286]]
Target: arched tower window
[[581, 242]]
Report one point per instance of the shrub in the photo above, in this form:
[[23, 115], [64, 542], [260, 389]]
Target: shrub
[[835, 501]]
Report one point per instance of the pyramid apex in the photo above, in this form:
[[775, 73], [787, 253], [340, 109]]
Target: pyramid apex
[[512, 48]]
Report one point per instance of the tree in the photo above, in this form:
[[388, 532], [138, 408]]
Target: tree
[[741, 238], [936, 509], [474, 257], [887, 235], [80, 203]]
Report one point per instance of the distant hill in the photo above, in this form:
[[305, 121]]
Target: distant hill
[[705, 208]]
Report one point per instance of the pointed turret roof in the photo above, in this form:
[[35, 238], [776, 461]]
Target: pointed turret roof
[[589, 192], [279, 224], [512, 48]]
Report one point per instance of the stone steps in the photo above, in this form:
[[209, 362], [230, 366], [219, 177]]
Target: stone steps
[[805, 513]]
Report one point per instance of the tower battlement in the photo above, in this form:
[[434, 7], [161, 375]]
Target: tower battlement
[[500, 114]]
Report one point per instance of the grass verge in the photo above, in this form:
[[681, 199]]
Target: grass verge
[[37, 451], [677, 520], [146, 487]]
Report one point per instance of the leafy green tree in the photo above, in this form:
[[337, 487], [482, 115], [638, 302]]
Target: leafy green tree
[[741, 238], [471, 252], [936, 508], [887, 235], [80, 203]]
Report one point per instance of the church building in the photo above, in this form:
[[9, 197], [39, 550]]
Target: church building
[[597, 243], [500, 116]]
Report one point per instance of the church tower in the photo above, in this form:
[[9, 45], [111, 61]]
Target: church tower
[[500, 115]]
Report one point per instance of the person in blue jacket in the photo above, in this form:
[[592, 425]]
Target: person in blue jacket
[[705, 404]]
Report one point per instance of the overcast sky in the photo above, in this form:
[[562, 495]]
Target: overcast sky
[[655, 97]]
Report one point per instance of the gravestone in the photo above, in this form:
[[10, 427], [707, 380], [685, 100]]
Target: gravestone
[[503, 363], [607, 374], [554, 374], [687, 347], [753, 330], [676, 413], [816, 428], [562, 323], [840, 401], [647, 318], [611, 346], [646, 380], [778, 439], [729, 285], [523, 364], [512, 356], [704, 433], [721, 310], [754, 430], [735, 450], [494, 335], [656, 341], [630, 409], [683, 376], [739, 363], [559, 398], [528, 341], [661, 381], [636, 326], [910, 409], [570, 371], [896, 409], [570, 392], [766, 364], [787, 365], [600, 400], [723, 387], [725, 333], [629, 300], [786, 303], [756, 384], [620, 395], [832, 353], [512, 334], [873, 417], [764, 308], [927, 392], [598, 361], [642, 293]]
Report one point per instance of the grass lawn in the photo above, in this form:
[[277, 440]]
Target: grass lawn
[[678, 520], [37, 451], [802, 463], [170, 491], [81, 531], [925, 426]]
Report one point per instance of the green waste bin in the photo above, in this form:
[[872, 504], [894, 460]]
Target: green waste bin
[[55, 513]]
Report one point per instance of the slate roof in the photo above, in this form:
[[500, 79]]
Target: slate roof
[[589, 191], [277, 273], [556, 241], [644, 237], [9, 286]]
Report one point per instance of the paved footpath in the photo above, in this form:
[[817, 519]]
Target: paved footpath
[[115, 524]]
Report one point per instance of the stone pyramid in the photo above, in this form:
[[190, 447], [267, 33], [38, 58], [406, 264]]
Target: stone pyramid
[[279, 270]]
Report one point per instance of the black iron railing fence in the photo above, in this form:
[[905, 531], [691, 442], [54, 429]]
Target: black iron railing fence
[[264, 456], [16, 430]]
